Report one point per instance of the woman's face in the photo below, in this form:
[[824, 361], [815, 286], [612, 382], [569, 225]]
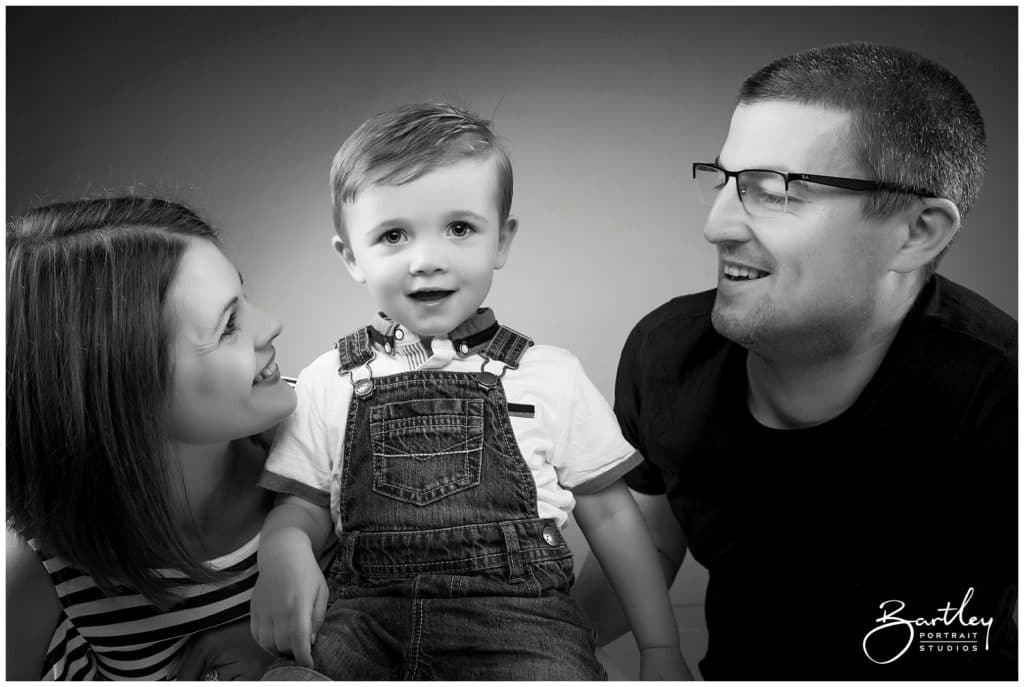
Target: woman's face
[[225, 383]]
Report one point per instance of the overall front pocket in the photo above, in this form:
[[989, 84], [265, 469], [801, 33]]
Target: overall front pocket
[[426, 449]]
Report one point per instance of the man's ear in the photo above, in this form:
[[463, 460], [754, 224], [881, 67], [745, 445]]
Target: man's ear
[[506, 233], [930, 228], [344, 251]]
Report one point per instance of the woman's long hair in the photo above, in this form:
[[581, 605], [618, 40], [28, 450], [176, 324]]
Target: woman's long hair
[[88, 376]]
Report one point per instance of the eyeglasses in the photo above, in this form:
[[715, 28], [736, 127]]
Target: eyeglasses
[[767, 193]]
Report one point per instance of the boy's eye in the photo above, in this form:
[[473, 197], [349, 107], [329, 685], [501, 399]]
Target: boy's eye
[[231, 327], [392, 236], [460, 229]]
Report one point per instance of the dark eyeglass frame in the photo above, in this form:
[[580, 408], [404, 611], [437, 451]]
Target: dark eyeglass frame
[[836, 182]]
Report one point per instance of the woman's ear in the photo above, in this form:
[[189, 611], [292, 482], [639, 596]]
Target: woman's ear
[[348, 257], [930, 228], [506, 233]]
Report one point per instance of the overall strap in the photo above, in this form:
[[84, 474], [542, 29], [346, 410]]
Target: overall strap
[[355, 349], [507, 346]]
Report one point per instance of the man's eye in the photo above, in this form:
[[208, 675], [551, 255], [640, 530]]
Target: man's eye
[[231, 327], [460, 229], [392, 236], [767, 198]]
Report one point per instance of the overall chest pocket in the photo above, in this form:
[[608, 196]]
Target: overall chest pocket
[[426, 449]]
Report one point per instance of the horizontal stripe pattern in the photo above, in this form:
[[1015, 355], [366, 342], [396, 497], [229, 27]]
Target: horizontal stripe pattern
[[121, 636]]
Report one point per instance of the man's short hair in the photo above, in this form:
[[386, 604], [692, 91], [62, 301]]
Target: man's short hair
[[914, 122], [400, 145]]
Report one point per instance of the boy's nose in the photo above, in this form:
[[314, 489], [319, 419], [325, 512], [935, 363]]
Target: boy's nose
[[427, 258], [727, 220]]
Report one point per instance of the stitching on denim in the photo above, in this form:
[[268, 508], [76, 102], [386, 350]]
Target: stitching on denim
[[524, 526], [346, 461], [525, 482], [417, 638], [427, 455], [483, 562]]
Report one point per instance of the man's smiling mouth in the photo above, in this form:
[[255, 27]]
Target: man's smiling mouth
[[430, 295], [742, 273]]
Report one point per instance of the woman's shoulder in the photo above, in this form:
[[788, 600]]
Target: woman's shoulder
[[26, 573], [32, 607]]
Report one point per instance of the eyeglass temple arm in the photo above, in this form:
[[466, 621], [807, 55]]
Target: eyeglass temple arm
[[857, 184]]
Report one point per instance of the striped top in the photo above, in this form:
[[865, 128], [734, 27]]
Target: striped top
[[124, 637]]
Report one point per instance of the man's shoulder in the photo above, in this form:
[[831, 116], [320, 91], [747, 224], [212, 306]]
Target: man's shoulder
[[677, 325], [681, 309], [954, 359], [961, 318]]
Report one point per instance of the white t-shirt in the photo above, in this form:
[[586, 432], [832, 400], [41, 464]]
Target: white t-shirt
[[572, 442]]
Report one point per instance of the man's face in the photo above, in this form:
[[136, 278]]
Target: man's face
[[809, 278], [427, 249]]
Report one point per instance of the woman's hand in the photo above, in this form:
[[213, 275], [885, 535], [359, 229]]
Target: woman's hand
[[229, 649]]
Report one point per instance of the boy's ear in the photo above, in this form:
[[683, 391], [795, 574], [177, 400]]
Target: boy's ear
[[506, 233], [929, 229], [347, 257]]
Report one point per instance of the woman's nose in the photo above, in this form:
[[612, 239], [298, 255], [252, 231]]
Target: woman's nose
[[268, 328]]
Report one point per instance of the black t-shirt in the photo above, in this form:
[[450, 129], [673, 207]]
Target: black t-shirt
[[909, 496]]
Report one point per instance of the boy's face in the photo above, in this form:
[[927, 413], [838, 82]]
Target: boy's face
[[427, 249]]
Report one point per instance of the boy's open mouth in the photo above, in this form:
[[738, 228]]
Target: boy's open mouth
[[430, 295]]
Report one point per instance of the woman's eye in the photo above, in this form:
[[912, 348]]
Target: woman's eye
[[392, 236], [460, 229], [231, 327]]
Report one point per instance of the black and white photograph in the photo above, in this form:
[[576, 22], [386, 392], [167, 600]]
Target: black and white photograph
[[521, 342]]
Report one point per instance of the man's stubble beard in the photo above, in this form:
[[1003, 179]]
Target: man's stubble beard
[[759, 330], [746, 328]]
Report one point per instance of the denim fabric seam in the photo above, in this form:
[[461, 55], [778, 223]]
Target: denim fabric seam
[[526, 483], [494, 561], [413, 657], [346, 465], [523, 522]]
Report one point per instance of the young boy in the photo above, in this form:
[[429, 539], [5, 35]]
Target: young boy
[[444, 450]]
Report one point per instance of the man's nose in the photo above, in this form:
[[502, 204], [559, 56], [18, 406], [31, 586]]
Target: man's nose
[[727, 219]]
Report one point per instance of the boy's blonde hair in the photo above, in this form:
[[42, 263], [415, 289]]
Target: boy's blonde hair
[[401, 145]]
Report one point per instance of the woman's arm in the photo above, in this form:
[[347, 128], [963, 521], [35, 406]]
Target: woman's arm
[[33, 611]]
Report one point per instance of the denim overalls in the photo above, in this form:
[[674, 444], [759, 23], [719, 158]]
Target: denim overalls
[[445, 571]]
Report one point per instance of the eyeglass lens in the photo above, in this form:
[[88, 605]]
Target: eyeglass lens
[[762, 193]]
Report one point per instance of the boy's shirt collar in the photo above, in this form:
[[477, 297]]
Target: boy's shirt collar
[[468, 338]]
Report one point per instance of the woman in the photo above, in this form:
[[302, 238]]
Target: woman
[[139, 380]]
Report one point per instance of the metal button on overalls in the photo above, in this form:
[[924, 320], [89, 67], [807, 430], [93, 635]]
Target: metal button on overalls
[[550, 535]]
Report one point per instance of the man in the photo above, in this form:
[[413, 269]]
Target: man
[[832, 431]]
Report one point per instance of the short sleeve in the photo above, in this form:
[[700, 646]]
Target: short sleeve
[[645, 477], [591, 453], [299, 461]]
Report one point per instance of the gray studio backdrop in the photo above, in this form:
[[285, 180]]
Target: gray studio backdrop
[[239, 112]]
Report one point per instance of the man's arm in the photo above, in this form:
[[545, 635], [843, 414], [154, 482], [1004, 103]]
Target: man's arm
[[593, 590]]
